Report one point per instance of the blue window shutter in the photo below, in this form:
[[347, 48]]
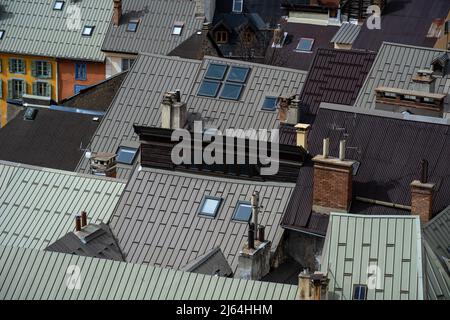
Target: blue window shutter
[[48, 90], [10, 89], [49, 68], [34, 68], [35, 88], [11, 61]]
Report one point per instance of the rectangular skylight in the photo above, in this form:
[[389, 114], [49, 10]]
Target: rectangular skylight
[[216, 71], [126, 155], [238, 74], [177, 28], [88, 30], [243, 211], [58, 5], [209, 206], [359, 292], [237, 5], [2, 33], [305, 44], [231, 91], [270, 103], [209, 88], [132, 25]]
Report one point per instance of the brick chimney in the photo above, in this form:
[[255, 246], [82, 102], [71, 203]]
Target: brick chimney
[[302, 135], [173, 111], [333, 179], [422, 193], [312, 286], [103, 164], [288, 109], [424, 81], [117, 13]]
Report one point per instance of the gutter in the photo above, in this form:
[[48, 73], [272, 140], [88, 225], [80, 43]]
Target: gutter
[[384, 203]]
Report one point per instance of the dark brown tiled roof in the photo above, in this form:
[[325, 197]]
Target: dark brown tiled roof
[[389, 150]]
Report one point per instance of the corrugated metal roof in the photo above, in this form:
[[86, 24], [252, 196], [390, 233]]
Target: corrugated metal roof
[[437, 233], [139, 99], [347, 33], [395, 66], [157, 221], [37, 205], [32, 27], [392, 243], [38, 275], [156, 22]]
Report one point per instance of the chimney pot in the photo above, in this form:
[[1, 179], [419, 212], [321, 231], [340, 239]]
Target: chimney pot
[[342, 150], [326, 147], [83, 219], [117, 14], [77, 223], [251, 236], [423, 171], [261, 233], [302, 135]]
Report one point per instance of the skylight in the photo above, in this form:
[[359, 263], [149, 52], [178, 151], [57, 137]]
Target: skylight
[[243, 211], [2, 33], [30, 114], [88, 30], [209, 88], [238, 74], [237, 5], [126, 155], [209, 206], [216, 71], [177, 28], [58, 5], [270, 103], [132, 25], [231, 91], [359, 292], [305, 45]]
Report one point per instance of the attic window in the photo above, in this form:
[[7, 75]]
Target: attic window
[[243, 211], [359, 292], [209, 206], [269, 104], [177, 28], [2, 33], [305, 45], [88, 30], [231, 91], [132, 25], [126, 155], [237, 5], [58, 5], [216, 71], [209, 88]]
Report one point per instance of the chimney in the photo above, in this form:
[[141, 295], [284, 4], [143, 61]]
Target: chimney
[[83, 219], [332, 185], [173, 111], [255, 210], [117, 14], [422, 193], [424, 81], [103, 164], [312, 286], [302, 135], [288, 109], [77, 223], [278, 37]]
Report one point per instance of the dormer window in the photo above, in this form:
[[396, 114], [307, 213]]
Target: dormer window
[[88, 31], [177, 28], [238, 5], [58, 5], [221, 36]]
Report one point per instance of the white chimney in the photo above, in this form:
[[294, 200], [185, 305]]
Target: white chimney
[[326, 148]]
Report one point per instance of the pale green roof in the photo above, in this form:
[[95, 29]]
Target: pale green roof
[[41, 275], [393, 243]]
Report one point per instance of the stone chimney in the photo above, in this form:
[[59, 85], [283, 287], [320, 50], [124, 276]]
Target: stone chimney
[[422, 193], [333, 179], [424, 81], [173, 111], [302, 135], [103, 164], [204, 9], [117, 13], [288, 109], [278, 37], [312, 286]]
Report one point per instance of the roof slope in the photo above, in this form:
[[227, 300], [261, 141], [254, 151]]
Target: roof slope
[[157, 221], [32, 27], [395, 66], [37, 205], [389, 150], [39, 275], [138, 101], [335, 76], [211, 263], [156, 22], [347, 33], [354, 243]]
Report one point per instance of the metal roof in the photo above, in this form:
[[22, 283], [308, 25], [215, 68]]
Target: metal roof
[[39, 275], [394, 67], [154, 31], [392, 243], [32, 27], [437, 233], [37, 205], [211, 263], [157, 221], [347, 33], [138, 101]]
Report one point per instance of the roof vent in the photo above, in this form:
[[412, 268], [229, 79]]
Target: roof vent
[[439, 65]]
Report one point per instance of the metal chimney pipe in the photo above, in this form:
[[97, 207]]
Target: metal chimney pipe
[[342, 150], [261, 233], [255, 210], [326, 147], [83, 219], [423, 171], [77, 223], [251, 236], [178, 95]]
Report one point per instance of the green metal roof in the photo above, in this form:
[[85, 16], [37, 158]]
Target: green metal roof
[[37, 205], [39, 275], [393, 243], [32, 27]]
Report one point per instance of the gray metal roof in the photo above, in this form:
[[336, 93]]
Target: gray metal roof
[[211, 263], [393, 243], [156, 22], [37, 205], [437, 233], [32, 27], [347, 33], [156, 221], [140, 96], [39, 275], [395, 66]]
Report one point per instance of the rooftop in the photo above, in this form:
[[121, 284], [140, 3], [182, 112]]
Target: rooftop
[[347, 34]]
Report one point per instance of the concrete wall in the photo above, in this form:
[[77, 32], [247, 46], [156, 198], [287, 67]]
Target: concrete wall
[[114, 63], [304, 248]]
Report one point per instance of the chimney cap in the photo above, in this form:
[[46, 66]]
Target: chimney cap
[[303, 126]]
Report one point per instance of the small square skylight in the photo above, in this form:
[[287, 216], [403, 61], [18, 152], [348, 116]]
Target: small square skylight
[[177, 28], [231, 91], [359, 292], [126, 155], [305, 44], [243, 211], [58, 5], [2, 33], [209, 88], [132, 25], [238, 74], [216, 71], [88, 30], [209, 206], [270, 103]]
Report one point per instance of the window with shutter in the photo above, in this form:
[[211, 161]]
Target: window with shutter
[[16, 88], [41, 69], [41, 88], [17, 66]]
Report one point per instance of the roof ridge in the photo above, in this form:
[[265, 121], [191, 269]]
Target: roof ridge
[[387, 43]]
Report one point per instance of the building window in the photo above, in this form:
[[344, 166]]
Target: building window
[[80, 71], [243, 211], [78, 88], [16, 88], [42, 89], [177, 28], [247, 37], [221, 36], [237, 5], [126, 155], [127, 64], [305, 45], [2, 33], [58, 5], [359, 292], [209, 206], [41, 69], [17, 66], [270, 103], [88, 31], [132, 25]]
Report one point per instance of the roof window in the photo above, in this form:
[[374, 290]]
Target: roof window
[[88, 31]]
